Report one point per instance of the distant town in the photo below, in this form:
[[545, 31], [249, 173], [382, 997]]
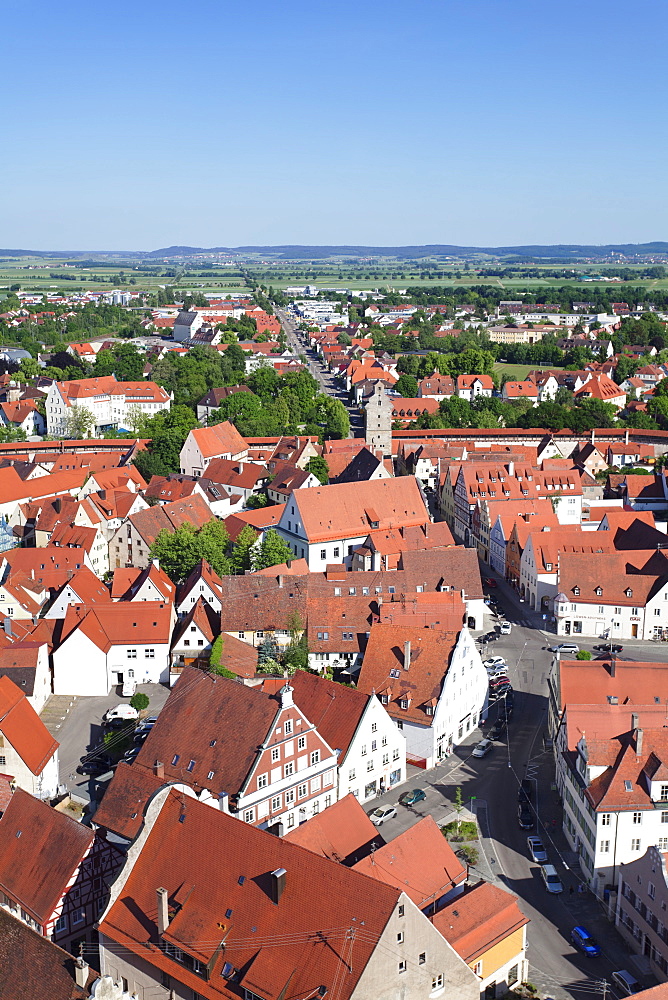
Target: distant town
[[334, 624]]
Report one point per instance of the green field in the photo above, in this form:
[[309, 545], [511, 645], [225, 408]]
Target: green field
[[517, 373]]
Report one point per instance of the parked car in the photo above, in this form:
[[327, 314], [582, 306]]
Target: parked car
[[565, 647], [551, 879], [130, 754], [537, 851], [493, 661], [505, 628], [525, 816], [491, 582], [498, 680], [499, 671], [502, 689], [626, 982], [483, 748], [497, 729], [95, 765], [410, 798], [381, 814], [129, 687], [583, 941], [125, 713], [525, 791], [609, 647]]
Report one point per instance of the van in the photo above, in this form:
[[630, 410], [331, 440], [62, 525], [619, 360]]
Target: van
[[129, 687], [124, 712], [551, 879], [627, 983]]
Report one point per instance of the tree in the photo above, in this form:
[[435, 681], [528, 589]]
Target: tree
[[9, 434], [216, 659], [407, 386], [317, 465], [274, 550], [140, 701], [295, 655], [80, 421], [458, 807], [584, 654], [241, 557], [180, 551], [256, 500]]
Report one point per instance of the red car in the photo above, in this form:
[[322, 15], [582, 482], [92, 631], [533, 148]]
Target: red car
[[490, 582]]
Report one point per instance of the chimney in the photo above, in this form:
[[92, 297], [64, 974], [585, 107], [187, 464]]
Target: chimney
[[280, 579], [638, 742], [634, 720], [163, 912], [58, 505], [613, 666], [7, 625], [81, 969], [277, 884], [159, 769], [626, 436], [407, 655], [102, 494], [288, 563], [156, 563], [593, 436], [511, 468]]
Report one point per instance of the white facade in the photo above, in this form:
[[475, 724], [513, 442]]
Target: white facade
[[461, 706], [194, 463], [376, 757], [610, 621], [82, 668], [43, 785], [109, 409]]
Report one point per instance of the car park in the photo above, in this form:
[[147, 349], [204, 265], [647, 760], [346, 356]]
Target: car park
[[483, 748], [551, 878], [537, 850], [505, 628], [584, 942], [525, 816], [410, 798], [626, 983], [565, 647], [382, 814]]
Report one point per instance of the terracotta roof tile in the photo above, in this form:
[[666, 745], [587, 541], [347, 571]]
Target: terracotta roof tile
[[481, 918], [23, 728], [343, 832]]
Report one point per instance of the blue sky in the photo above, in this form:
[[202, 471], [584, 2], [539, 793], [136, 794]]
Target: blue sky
[[137, 125]]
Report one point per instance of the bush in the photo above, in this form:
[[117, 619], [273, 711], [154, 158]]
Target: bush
[[469, 854], [465, 830], [584, 654], [139, 701]]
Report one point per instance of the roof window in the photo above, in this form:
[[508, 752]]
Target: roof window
[[628, 786]]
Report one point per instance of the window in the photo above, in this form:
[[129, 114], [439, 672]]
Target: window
[[131, 654], [288, 727], [149, 654], [477, 968], [386, 758], [618, 611], [395, 754], [249, 816], [604, 847], [315, 757], [635, 845], [369, 765], [262, 781], [191, 766], [301, 743], [651, 891], [275, 754], [78, 916], [383, 742], [605, 819], [422, 958], [657, 612], [637, 817], [288, 770], [3, 760], [401, 910], [374, 745], [276, 802], [663, 795], [323, 553], [400, 937], [61, 924], [402, 965], [664, 817], [437, 982], [363, 750], [175, 759], [302, 791], [337, 552]]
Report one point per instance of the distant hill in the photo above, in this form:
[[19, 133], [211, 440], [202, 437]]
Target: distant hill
[[560, 251]]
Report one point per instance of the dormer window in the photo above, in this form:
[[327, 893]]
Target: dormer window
[[404, 703], [628, 592], [576, 591], [599, 591]]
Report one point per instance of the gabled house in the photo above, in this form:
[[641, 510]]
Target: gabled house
[[132, 541], [27, 959], [28, 752], [107, 644], [436, 386], [59, 885], [470, 387], [414, 672], [193, 638], [206, 443], [84, 587], [26, 663], [288, 478], [148, 584], [203, 583]]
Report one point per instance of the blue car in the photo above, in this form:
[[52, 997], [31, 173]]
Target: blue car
[[583, 940]]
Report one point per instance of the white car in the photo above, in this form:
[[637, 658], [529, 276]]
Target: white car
[[382, 813], [122, 712], [483, 748], [505, 628], [492, 662]]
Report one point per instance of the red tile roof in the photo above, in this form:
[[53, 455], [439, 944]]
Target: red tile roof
[[481, 918], [348, 509], [221, 439], [40, 850], [204, 884], [116, 623], [32, 966], [420, 862], [342, 832], [166, 517], [23, 728]]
